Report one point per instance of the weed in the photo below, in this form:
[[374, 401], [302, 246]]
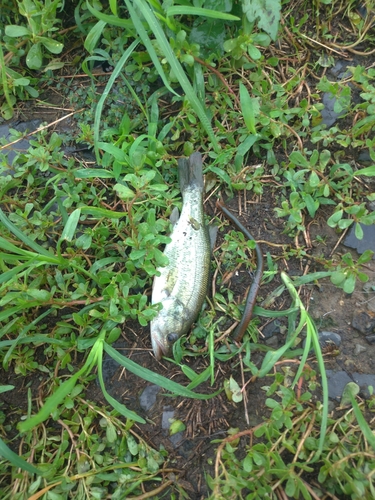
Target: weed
[[81, 242]]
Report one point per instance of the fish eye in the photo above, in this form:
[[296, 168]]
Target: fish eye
[[172, 337]]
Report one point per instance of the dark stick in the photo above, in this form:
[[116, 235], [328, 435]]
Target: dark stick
[[252, 295]]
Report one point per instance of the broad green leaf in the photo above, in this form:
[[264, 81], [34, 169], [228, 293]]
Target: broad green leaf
[[71, 225], [265, 12], [113, 150], [254, 52], [90, 173], [100, 213], [299, 159], [52, 45], [235, 390], [210, 36], [93, 36], [314, 179], [311, 205], [338, 277], [34, 58], [350, 391], [247, 109], [176, 426], [345, 223], [368, 171], [365, 257], [21, 82], [335, 218], [124, 192], [349, 284], [15, 31], [53, 65], [358, 231], [6, 388]]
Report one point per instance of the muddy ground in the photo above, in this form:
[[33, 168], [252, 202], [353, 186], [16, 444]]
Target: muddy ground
[[350, 316]]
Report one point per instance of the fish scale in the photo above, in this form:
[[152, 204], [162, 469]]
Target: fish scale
[[182, 285]]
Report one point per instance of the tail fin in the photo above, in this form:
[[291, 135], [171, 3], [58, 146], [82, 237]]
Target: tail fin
[[190, 171]]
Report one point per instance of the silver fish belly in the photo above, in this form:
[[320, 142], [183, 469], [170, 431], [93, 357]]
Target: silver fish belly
[[182, 285]]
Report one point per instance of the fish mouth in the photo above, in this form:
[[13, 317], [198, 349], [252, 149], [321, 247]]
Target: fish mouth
[[158, 348]]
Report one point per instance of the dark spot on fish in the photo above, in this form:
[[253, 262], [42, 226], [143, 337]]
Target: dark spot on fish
[[194, 223], [172, 337]]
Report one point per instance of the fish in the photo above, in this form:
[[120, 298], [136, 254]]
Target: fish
[[182, 285]]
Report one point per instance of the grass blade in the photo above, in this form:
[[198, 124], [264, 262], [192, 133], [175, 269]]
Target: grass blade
[[21, 236], [99, 108], [71, 225], [182, 10], [247, 109], [16, 460], [153, 377], [125, 412], [175, 66], [367, 432]]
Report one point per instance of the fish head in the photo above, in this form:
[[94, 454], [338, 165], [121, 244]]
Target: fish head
[[166, 328], [162, 344]]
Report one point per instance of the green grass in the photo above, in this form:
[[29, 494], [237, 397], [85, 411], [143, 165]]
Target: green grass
[[80, 243]]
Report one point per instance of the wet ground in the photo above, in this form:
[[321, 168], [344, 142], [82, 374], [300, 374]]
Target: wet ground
[[350, 319]]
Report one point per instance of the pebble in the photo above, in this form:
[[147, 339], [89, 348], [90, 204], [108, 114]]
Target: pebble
[[364, 322], [336, 383], [328, 337], [148, 397], [271, 329], [358, 349]]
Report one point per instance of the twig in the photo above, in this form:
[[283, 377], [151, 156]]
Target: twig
[[220, 76], [41, 128]]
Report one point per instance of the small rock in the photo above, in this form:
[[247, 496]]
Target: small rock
[[358, 349], [168, 413], [364, 380], [336, 383], [271, 329], [370, 339], [326, 338], [272, 342], [364, 322], [148, 397], [366, 243]]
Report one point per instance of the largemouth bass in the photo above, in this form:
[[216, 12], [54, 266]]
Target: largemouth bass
[[182, 285]]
